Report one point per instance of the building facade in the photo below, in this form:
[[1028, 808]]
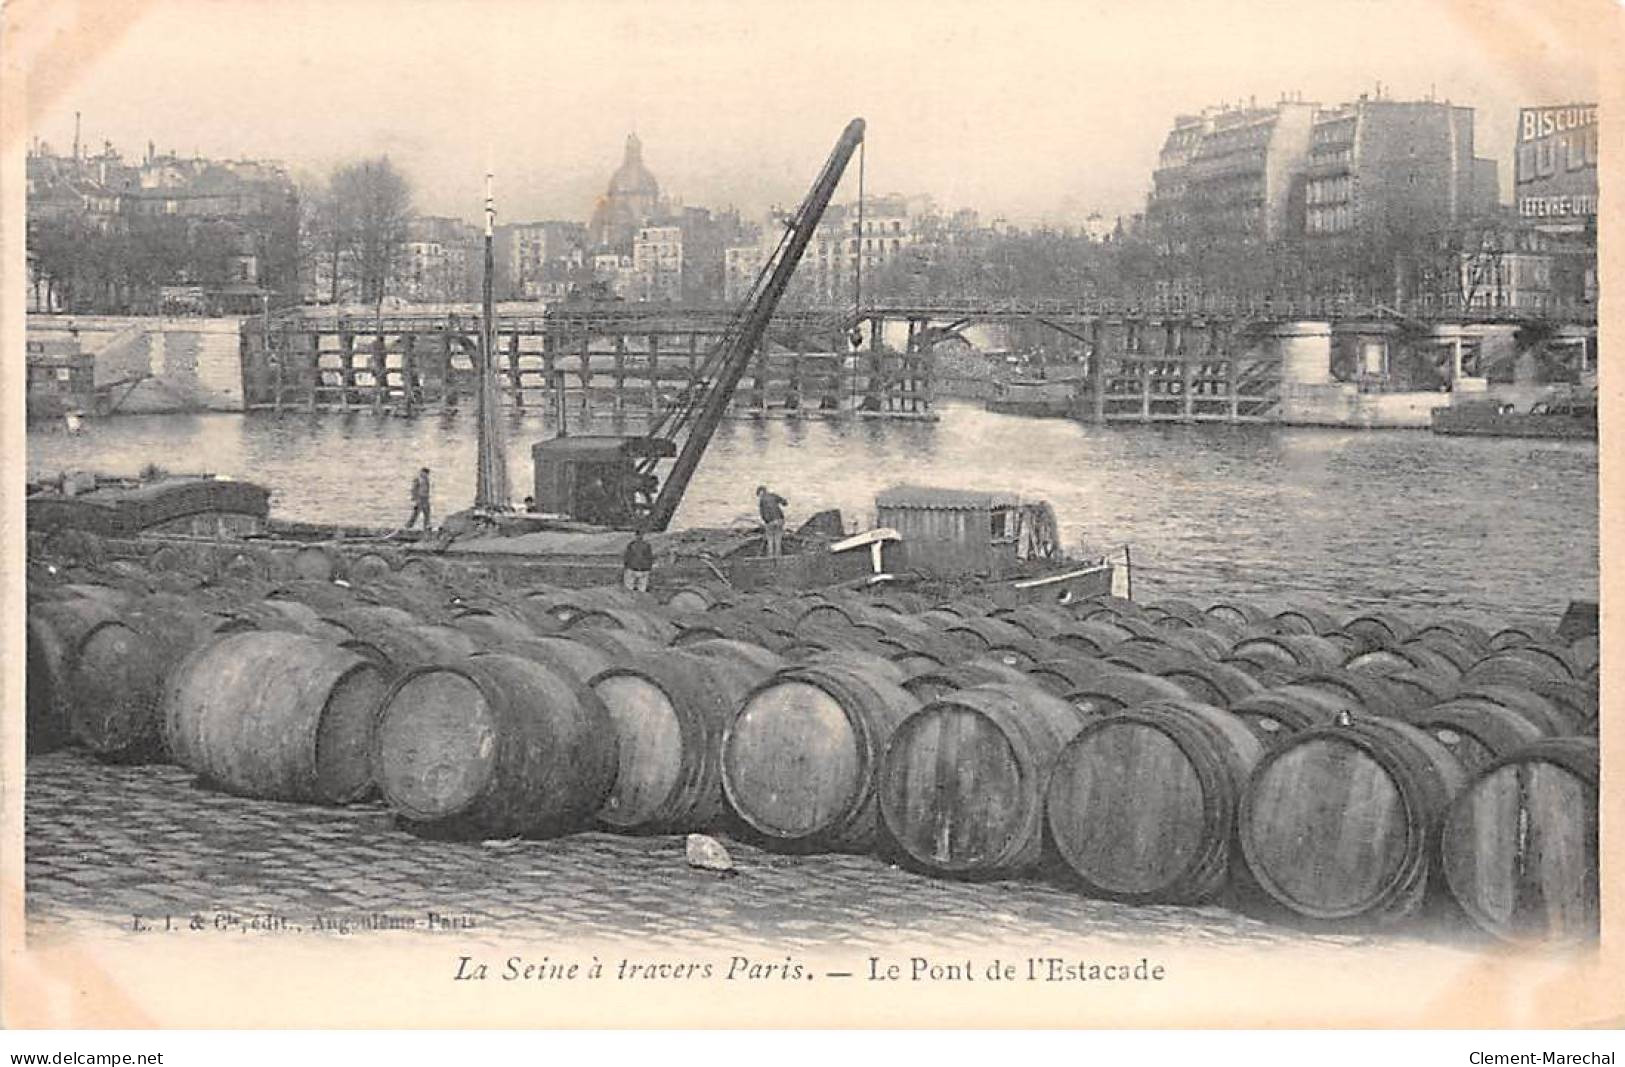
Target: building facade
[[1392, 166], [657, 257]]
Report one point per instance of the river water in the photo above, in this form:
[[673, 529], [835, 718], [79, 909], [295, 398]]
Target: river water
[[1488, 529]]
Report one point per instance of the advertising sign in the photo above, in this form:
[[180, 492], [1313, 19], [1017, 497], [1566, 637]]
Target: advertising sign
[[1556, 170]]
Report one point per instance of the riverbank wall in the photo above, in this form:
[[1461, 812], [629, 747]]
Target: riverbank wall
[[153, 365]]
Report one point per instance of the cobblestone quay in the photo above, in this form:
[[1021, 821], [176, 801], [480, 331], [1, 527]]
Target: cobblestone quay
[[129, 848]]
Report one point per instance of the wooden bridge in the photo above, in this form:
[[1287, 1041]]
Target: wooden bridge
[[1184, 360]]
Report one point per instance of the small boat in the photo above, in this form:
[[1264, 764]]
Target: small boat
[[1565, 417], [1038, 397]]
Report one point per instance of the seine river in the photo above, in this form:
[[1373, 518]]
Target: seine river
[[1487, 529]]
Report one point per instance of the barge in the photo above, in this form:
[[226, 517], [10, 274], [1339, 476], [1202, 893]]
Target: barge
[[1566, 418]]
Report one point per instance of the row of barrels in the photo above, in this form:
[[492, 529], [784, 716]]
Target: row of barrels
[[846, 723], [1283, 759]]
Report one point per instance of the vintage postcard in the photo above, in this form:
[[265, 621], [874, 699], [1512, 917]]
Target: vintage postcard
[[809, 514]]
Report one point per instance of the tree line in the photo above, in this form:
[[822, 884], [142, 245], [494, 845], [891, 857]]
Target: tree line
[[348, 232]]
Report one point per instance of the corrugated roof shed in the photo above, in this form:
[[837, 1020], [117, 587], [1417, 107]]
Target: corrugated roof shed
[[916, 496]]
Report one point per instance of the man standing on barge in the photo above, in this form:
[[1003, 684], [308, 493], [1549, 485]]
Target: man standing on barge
[[420, 498], [636, 564], [771, 505]]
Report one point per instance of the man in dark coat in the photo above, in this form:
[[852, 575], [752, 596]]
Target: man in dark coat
[[636, 564], [772, 505], [420, 498]]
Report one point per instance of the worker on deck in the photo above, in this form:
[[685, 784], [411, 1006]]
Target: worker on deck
[[420, 498], [636, 564], [772, 505]]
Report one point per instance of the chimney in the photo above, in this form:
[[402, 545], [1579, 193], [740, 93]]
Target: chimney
[[76, 136]]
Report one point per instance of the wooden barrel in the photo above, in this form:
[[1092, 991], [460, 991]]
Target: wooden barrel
[[931, 646], [977, 635], [971, 605], [1208, 643], [1519, 845], [1036, 620], [1341, 822], [1093, 637], [108, 595], [1142, 804], [963, 779], [616, 644], [902, 601], [367, 617], [669, 711], [1576, 701], [397, 649], [271, 614], [1382, 628], [741, 653], [1212, 682], [1305, 619], [370, 567], [322, 596], [830, 613], [1349, 645], [1068, 673], [274, 715], [1522, 634], [644, 623], [316, 563], [864, 662], [1478, 733], [493, 746], [493, 629], [418, 570], [1533, 706], [931, 682], [1113, 691], [697, 597], [725, 625], [1150, 656], [1460, 631], [1187, 612], [1277, 713], [1289, 651], [1417, 688], [120, 668], [1521, 664], [1370, 693], [1003, 670], [54, 631], [1449, 644], [1238, 613], [800, 758], [45, 727], [1406, 656], [243, 562], [580, 661], [1584, 652], [1023, 652]]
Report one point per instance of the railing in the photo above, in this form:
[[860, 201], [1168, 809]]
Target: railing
[[605, 316]]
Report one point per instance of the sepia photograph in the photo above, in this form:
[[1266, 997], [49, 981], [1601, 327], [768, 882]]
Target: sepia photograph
[[705, 514]]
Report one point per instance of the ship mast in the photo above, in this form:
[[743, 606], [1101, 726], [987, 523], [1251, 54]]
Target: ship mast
[[491, 481]]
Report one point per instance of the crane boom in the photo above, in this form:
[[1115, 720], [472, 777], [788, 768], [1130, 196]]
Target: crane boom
[[706, 409]]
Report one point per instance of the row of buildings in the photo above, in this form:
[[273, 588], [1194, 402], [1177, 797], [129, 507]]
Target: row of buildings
[[1388, 197], [217, 231]]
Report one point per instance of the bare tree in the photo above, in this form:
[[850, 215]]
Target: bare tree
[[372, 206]]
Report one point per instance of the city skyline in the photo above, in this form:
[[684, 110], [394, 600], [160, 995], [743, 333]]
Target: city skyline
[[734, 107]]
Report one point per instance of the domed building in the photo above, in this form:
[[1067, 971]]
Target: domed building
[[632, 200]]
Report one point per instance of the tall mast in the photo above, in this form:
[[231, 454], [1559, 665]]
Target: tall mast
[[491, 481]]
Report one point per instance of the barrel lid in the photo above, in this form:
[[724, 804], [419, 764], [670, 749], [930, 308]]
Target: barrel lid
[[436, 743]]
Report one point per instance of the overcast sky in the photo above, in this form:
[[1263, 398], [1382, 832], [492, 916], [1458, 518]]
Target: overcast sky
[[1025, 109]]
